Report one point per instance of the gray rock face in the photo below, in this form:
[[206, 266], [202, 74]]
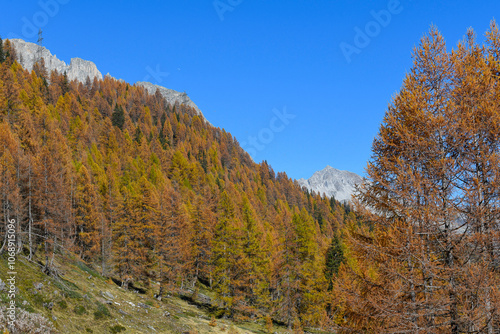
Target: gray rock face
[[171, 95], [333, 182], [79, 69]]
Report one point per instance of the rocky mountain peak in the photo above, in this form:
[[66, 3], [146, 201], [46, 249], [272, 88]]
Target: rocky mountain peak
[[333, 183], [78, 69]]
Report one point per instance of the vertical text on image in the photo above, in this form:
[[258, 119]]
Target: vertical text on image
[[11, 273]]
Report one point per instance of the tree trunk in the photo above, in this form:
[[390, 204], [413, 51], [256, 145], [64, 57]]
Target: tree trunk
[[30, 215]]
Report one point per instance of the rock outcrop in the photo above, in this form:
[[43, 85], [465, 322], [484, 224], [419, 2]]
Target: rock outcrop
[[170, 95], [333, 183], [79, 69]]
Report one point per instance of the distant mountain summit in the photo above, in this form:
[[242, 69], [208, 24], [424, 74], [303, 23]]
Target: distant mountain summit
[[80, 70], [333, 182]]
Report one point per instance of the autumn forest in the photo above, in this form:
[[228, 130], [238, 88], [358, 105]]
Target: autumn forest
[[154, 197]]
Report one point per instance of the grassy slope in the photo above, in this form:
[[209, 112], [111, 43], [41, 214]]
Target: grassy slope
[[79, 306]]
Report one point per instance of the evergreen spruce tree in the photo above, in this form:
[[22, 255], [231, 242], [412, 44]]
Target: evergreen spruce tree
[[118, 117], [2, 54], [334, 258]]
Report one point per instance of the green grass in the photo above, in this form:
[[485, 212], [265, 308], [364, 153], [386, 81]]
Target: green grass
[[79, 310], [62, 304], [101, 312], [87, 269], [117, 329], [79, 306]]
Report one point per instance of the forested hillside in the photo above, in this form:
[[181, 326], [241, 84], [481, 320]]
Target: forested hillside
[[152, 197], [144, 192]]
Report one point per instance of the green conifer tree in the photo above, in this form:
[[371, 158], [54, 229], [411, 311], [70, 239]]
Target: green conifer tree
[[118, 117], [2, 54]]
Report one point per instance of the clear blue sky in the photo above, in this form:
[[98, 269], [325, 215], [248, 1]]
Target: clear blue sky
[[240, 60]]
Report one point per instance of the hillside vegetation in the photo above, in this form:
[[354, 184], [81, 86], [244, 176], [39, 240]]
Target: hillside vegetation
[[147, 197], [80, 300], [153, 197]]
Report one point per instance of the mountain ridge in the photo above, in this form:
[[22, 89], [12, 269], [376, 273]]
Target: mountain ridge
[[332, 182], [80, 69]]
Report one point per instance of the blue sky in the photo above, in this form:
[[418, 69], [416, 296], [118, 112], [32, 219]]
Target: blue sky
[[302, 84]]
